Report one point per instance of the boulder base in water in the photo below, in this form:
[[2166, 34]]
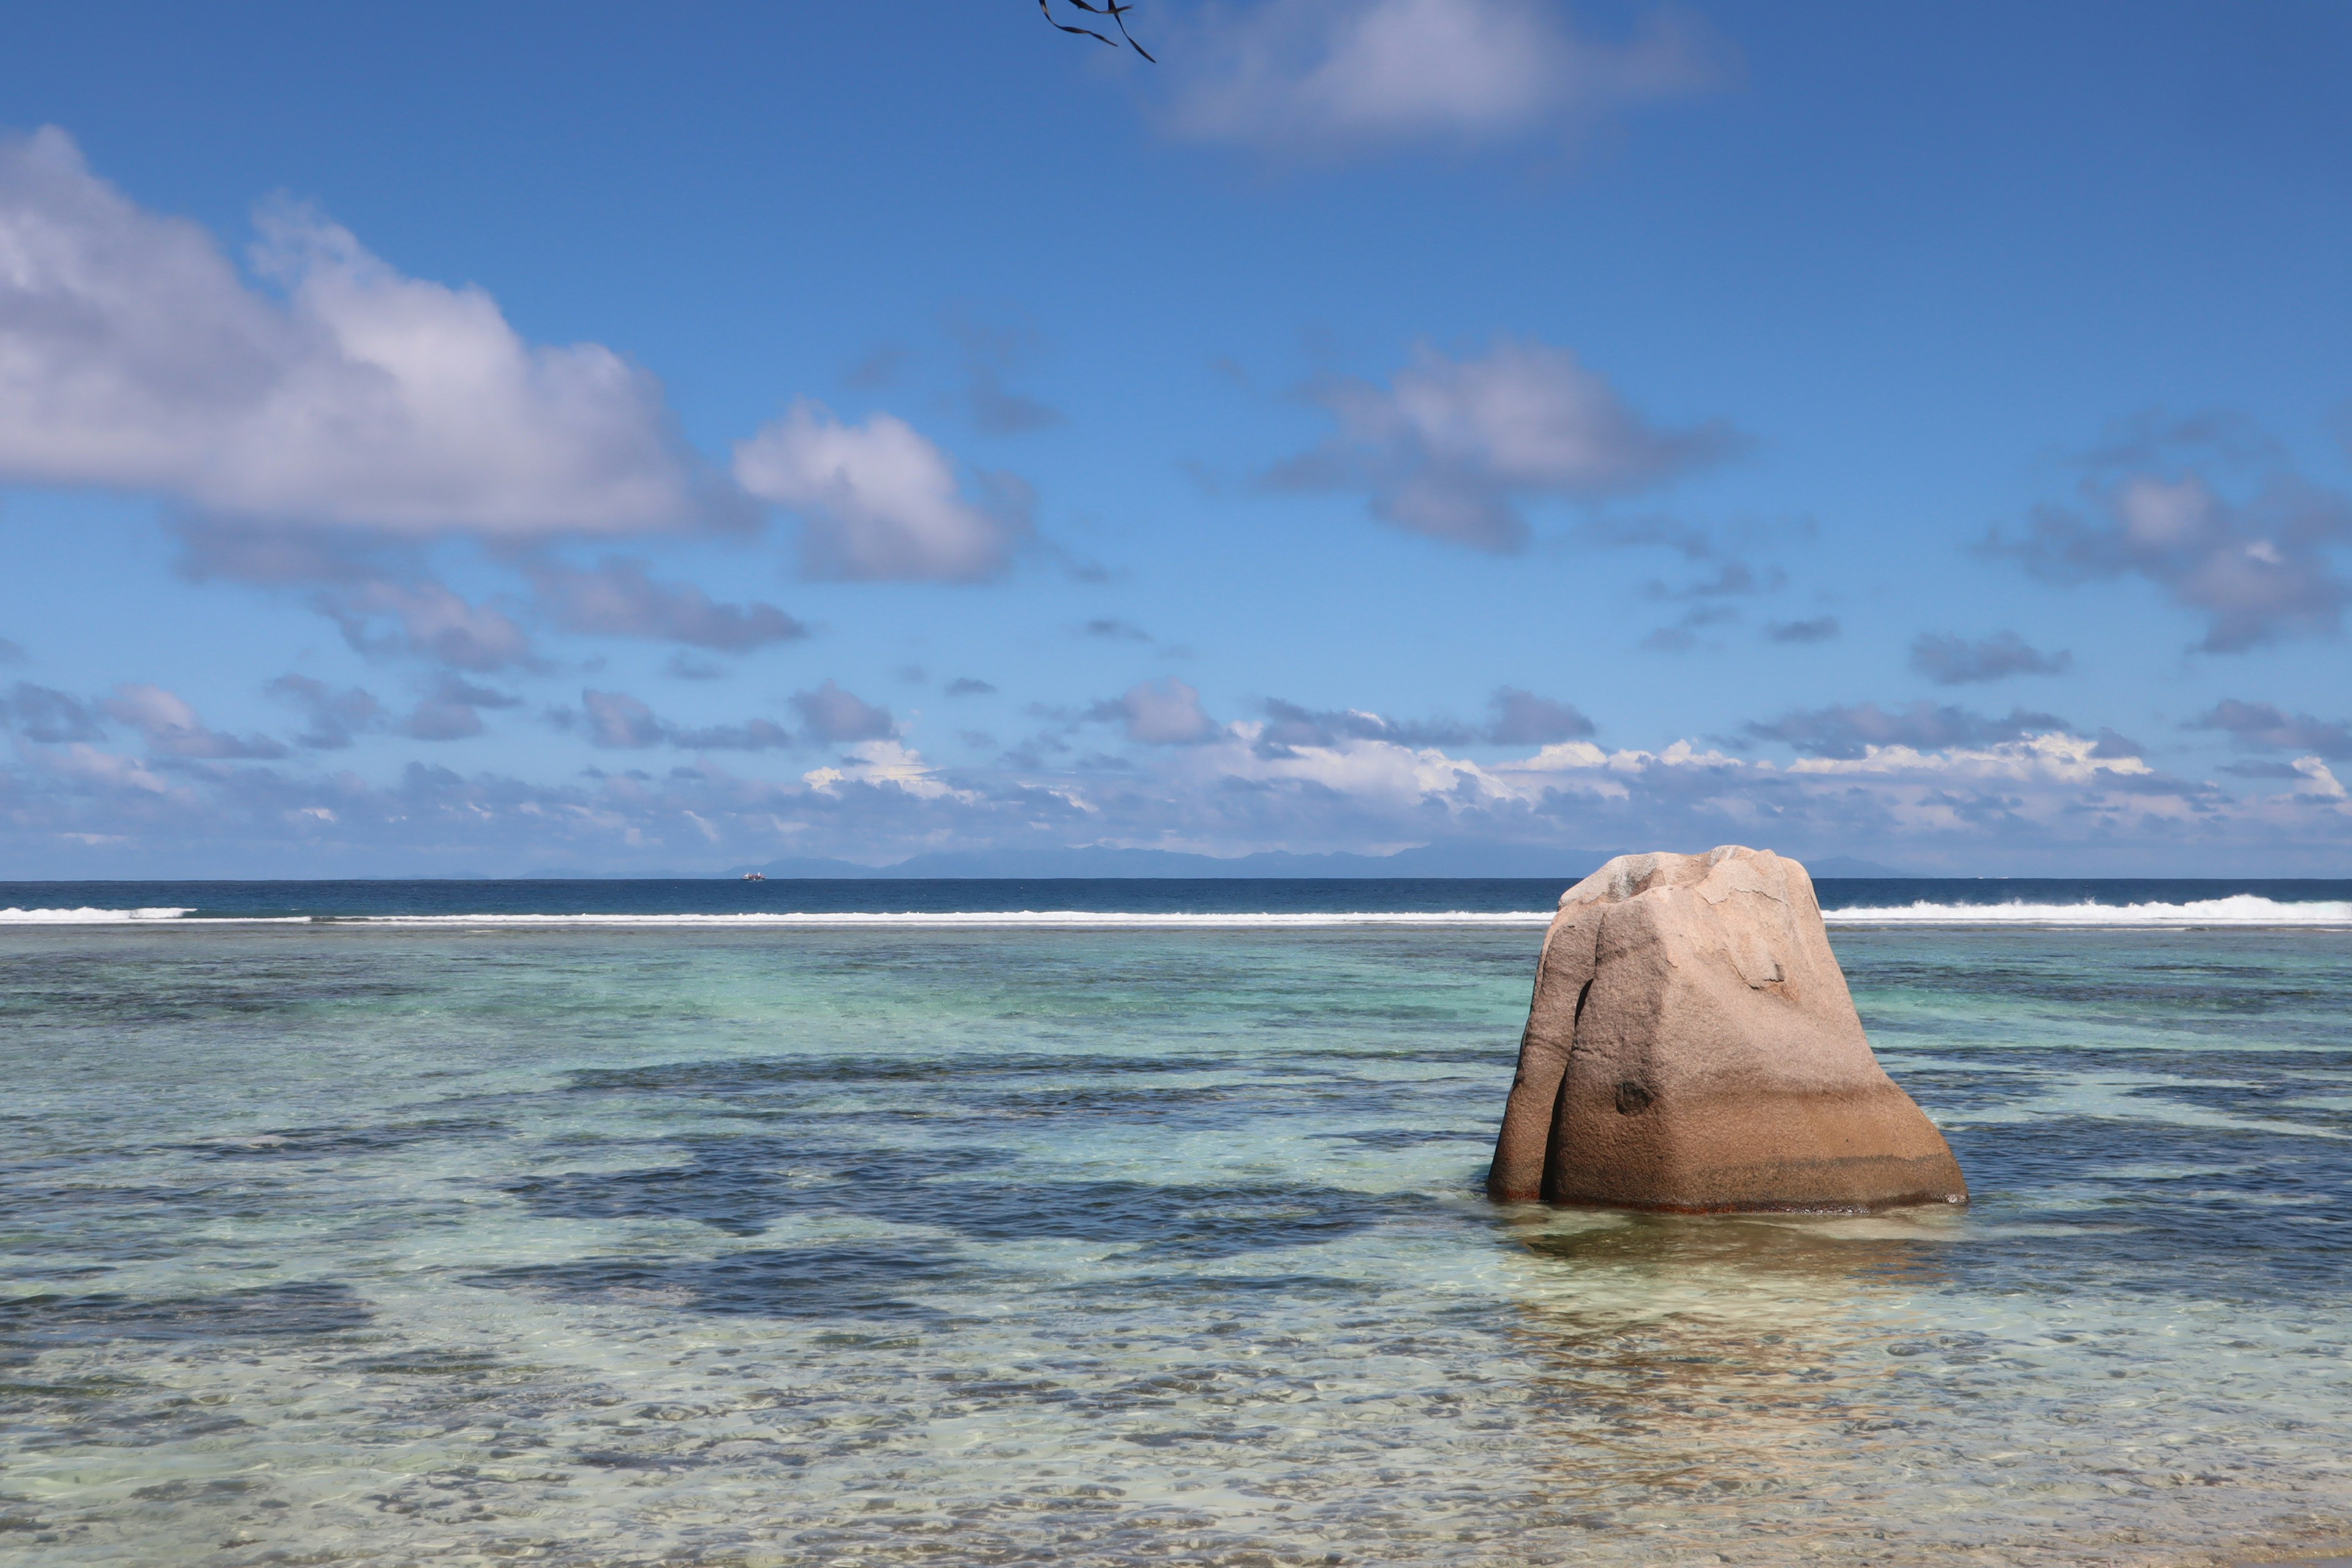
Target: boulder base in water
[[1692, 1046]]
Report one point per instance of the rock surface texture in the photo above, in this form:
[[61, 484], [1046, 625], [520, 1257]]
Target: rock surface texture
[[1692, 1046]]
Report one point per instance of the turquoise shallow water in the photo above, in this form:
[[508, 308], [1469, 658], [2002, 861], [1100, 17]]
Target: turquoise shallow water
[[332, 1245]]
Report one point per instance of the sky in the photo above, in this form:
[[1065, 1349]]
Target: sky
[[458, 440]]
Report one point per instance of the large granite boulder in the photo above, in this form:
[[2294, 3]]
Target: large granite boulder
[[1692, 1046]]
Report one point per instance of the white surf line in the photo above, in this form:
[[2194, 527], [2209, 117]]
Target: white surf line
[[2237, 909], [979, 918], [908, 919], [87, 916]]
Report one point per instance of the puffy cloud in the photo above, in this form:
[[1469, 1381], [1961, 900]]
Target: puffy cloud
[[133, 356], [878, 502], [2255, 559], [1451, 448], [2260, 726], [831, 715], [1816, 628], [1312, 78], [1855, 730], [1950, 660], [172, 729], [49, 716], [618, 597], [1165, 712], [332, 716]]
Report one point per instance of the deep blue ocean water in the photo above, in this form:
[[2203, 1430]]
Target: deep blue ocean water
[[436, 1237], [1135, 895]]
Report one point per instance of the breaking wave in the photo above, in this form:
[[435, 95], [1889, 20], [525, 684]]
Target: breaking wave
[[85, 916], [1095, 918], [2237, 909]]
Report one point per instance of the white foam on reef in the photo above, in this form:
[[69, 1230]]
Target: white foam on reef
[[2237, 909], [85, 916], [983, 918]]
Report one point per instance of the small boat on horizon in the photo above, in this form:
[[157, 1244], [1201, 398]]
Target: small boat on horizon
[[755, 876]]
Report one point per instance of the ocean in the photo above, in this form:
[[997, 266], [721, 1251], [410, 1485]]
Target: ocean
[[1131, 1221]]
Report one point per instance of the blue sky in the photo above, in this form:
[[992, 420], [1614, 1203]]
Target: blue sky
[[463, 439]]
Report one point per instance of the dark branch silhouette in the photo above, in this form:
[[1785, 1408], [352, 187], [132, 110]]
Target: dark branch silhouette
[[1111, 8]]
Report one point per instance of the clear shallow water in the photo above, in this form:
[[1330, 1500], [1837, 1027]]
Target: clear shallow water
[[329, 1245]]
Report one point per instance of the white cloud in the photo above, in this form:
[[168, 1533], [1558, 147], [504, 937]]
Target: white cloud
[[1452, 447], [134, 357], [1307, 78], [878, 501], [2215, 518], [2045, 802]]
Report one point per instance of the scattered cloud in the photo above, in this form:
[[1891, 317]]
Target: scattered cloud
[[2260, 726], [1315, 79], [331, 717], [988, 354], [965, 686], [2212, 517], [619, 721], [1683, 636], [831, 715], [751, 735], [134, 357], [878, 502], [2046, 798], [1816, 628], [1730, 580], [1855, 730], [172, 729], [1524, 718], [1454, 449], [683, 665], [1289, 727], [1515, 717], [384, 618], [877, 370], [11, 652], [450, 709], [1164, 712], [49, 716], [1114, 630], [1950, 660], [619, 597]]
